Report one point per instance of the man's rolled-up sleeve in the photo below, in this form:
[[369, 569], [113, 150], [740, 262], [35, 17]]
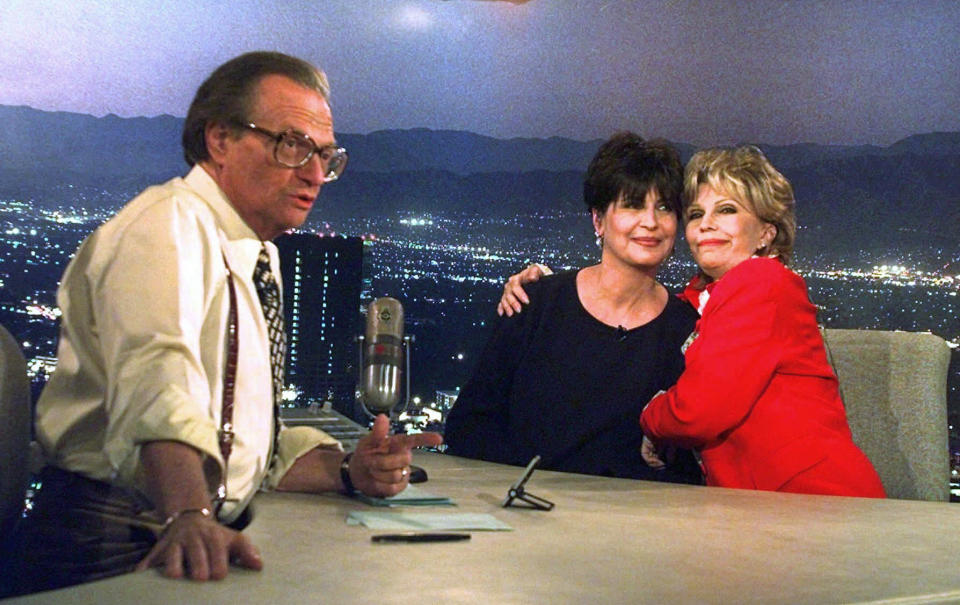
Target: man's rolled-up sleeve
[[153, 297], [294, 442]]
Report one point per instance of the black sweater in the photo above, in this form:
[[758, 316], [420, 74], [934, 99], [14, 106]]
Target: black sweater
[[557, 382]]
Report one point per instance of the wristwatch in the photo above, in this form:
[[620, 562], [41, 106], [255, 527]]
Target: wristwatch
[[348, 489]]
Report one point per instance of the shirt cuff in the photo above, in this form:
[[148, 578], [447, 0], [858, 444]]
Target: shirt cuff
[[294, 442], [655, 395], [171, 416]]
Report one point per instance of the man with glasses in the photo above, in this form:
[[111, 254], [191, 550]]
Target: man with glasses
[[160, 422]]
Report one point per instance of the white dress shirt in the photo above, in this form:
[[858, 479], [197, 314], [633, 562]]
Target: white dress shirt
[[143, 345]]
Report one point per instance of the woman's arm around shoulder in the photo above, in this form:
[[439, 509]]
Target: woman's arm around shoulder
[[733, 355]]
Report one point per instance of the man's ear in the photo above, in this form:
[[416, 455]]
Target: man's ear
[[217, 136]]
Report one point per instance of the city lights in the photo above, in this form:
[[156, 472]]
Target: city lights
[[449, 271]]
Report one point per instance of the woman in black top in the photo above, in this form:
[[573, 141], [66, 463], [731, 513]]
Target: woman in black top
[[567, 378]]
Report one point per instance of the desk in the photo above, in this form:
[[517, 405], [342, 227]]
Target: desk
[[607, 541]]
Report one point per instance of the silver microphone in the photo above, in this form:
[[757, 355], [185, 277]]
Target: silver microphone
[[380, 376]]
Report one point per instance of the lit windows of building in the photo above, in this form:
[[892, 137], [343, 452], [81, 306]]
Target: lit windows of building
[[321, 296]]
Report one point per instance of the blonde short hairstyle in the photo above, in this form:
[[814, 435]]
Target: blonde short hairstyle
[[746, 175]]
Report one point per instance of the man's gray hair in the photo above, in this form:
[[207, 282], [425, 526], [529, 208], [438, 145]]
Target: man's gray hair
[[227, 95]]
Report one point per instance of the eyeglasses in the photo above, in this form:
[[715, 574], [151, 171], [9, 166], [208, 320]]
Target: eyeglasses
[[294, 149]]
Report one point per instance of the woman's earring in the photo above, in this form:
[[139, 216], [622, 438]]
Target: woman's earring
[[599, 239]]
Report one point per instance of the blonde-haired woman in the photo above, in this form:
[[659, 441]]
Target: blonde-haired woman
[[758, 398]]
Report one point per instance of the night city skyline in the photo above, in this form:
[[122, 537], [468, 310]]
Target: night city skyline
[[447, 265], [469, 126], [858, 102]]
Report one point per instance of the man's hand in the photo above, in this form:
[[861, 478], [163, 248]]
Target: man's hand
[[514, 297], [192, 543], [201, 547], [380, 465]]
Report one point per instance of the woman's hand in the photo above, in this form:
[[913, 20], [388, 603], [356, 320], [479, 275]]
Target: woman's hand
[[514, 297], [648, 451]]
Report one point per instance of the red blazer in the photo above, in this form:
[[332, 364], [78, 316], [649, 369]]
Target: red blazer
[[758, 398]]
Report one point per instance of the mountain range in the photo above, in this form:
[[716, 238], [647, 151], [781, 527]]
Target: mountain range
[[852, 197]]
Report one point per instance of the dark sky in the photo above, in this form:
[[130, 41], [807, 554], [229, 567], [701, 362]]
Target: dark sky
[[774, 72]]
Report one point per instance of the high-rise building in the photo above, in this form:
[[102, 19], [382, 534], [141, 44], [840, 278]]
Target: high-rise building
[[445, 401], [322, 279]]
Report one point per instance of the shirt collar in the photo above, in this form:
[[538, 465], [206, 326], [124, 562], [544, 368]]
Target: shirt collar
[[697, 293], [244, 244], [228, 218]]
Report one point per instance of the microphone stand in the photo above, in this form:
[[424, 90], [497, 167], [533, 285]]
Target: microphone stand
[[399, 409], [417, 474]]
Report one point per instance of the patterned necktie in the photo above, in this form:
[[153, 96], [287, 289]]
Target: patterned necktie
[[272, 305]]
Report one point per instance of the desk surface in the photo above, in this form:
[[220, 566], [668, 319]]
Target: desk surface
[[607, 541]]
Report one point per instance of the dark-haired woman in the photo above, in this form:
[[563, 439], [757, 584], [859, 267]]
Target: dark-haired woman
[[566, 379]]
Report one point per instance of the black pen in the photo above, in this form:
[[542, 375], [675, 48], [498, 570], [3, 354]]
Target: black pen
[[414, 537]]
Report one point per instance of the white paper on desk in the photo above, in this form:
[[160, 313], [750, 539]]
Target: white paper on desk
[[422, 521], [410, 496]]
